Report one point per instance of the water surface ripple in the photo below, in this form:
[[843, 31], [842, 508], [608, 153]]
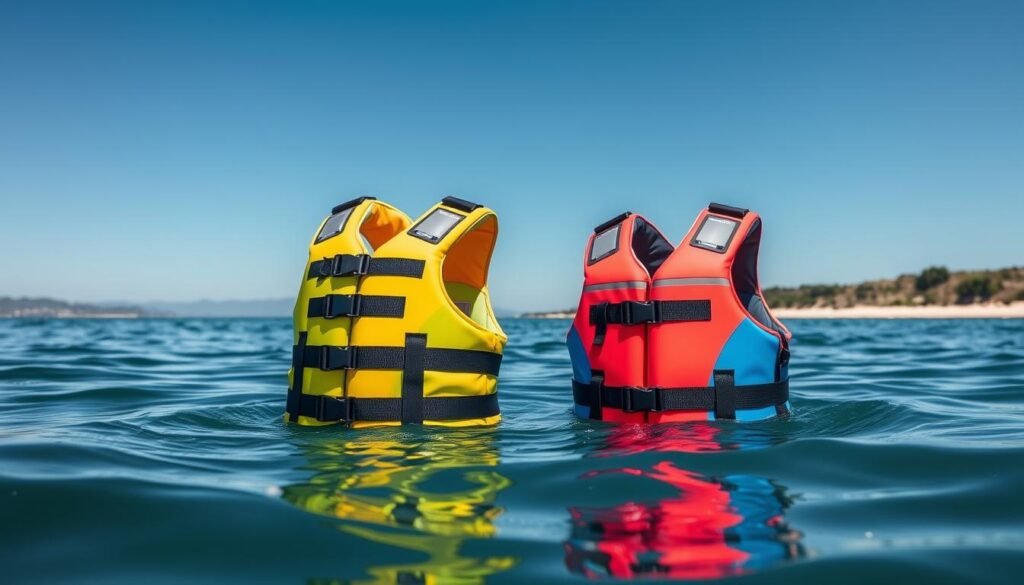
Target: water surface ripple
[[155, 451]]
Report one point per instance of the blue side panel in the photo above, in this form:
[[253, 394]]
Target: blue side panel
[[752, 414], [751, 353], [581, 411], [581, 371], [578, 355]]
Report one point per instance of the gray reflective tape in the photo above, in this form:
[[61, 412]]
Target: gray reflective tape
[[615, 285], [692, 282]]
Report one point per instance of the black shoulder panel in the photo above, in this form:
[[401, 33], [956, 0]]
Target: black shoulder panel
[[617, 219], [343, 206], [737, 212], [651, 248], [460, 204]]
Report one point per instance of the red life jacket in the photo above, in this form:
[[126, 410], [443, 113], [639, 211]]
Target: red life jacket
[[666, 334]]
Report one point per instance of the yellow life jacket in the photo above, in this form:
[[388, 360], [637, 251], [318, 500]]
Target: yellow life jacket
[[393, 322]]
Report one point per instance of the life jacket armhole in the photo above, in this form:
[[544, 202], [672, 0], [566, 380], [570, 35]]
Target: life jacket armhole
[[492, 326]]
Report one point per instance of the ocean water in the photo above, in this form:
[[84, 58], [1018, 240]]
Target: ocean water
[[155, 451]]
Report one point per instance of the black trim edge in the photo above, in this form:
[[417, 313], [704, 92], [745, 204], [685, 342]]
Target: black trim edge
[[737, 212], [611, 222], [460, 204], [350, 203]]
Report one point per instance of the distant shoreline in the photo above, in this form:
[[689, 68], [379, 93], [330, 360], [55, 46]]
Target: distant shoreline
[[978, 311], [81, 317]]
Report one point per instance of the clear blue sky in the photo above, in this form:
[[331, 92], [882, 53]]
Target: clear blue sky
[[185, 150]]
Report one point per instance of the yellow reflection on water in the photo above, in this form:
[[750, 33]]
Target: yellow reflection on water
[[426, 496]]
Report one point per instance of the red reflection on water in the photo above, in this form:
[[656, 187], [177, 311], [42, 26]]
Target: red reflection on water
[[690, 438], [710, 527]]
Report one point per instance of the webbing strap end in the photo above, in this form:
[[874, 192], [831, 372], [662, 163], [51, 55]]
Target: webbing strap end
[[725, 394]]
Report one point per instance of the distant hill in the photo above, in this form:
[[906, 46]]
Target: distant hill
[[281, 307], [52, 308], [49, 308], [935, 285]]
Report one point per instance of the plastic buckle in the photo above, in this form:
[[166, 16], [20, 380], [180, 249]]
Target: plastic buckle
[[642, 399], [346, 355], [637, 312], [784, 357], [325, 358], [350, 265], [322, 415], [318, 413], [333, 307], [354, 305], [324, 268]]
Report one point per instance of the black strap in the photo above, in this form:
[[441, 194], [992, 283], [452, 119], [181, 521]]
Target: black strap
[[599, 318], [412, 378], [329, 357], [334, 409], [295, 392], [331, 306], [682, 310], [637, 312], [365, 265], [635, 399], [726, 394]]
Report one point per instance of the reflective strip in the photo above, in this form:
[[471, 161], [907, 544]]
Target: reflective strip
[[615, 285], [692, 281]]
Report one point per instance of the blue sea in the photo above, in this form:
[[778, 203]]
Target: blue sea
[[154, 451]]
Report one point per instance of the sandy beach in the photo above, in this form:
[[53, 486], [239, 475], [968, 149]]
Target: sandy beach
[[980, 311]]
